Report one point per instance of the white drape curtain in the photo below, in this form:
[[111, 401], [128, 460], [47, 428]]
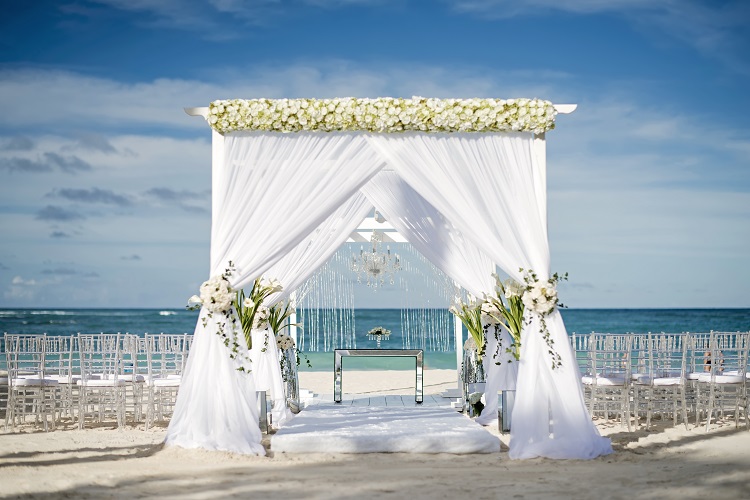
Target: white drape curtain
[[292, 270], [501, 369], [276, 189], [490, 187], [270, 191], [267, 374], [216, 405], [430, 233]]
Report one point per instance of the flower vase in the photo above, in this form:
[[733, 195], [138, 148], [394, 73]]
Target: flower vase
[[378, 339], [472, 376]]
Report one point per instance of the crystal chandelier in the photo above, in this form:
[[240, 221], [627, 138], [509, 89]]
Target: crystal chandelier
[[375, 265]]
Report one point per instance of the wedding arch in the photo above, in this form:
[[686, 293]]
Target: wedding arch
[[463, 179]]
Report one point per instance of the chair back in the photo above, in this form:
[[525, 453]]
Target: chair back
[[166, 355], [609, 356], [25, 356], [101, 356]]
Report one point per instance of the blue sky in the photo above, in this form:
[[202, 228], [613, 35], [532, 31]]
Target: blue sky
[[105, 192]]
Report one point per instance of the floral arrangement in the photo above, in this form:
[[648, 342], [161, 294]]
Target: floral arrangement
[[507, 305], [284, 341], [278, 315], [379, 331], [540, 298], [470, 314], [253, 314], [216, 297], [383, 114]]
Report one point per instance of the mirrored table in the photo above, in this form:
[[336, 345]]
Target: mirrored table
[[339, 354]]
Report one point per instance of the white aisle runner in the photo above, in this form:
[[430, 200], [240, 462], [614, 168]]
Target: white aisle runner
[[351, 429]]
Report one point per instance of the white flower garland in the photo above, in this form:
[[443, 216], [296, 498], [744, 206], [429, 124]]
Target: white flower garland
[[216, 297], [383, 114], [541, 298]]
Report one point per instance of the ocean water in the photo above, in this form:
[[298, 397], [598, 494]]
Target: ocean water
[[140, 321]]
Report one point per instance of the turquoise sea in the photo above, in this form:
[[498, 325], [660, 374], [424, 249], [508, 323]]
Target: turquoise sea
[[140, 321]]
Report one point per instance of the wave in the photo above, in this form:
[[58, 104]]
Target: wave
[[167, 313]]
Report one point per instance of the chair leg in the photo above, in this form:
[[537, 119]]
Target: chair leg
[[710, 410]]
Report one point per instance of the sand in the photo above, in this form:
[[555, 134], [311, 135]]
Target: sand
[[665, 462]]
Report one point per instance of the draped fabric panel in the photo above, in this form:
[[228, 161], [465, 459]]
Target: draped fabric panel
[[292, 270], [502, 371], [276, 189], [319, 246], [431, 234], [267, 374], [270, 191], [489, 186], [216, 405]]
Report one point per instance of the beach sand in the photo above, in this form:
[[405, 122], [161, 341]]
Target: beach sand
[[665, 462]]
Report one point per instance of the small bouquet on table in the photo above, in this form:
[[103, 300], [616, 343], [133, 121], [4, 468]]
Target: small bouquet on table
[[378, 334]]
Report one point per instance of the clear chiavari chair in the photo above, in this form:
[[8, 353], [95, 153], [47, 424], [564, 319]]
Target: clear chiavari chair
[[166, 355], [580, 344], [660, 386], [104, 381], [29, 392], [60, 354], [722, 388], [697, 363], [135, 370], [606, 376], [3, 379]]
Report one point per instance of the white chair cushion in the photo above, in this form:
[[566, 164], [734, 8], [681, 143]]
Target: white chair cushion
[[667, 381], [33, 382], [64, 379], [720, 379], [693, 375], [102, 383], [608, 381], [166, 382]]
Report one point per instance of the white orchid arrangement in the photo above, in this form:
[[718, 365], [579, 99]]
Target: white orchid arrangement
[[470, 313], [252, 313], [383, 114], [507, 306], [540, 298], [216, 297]]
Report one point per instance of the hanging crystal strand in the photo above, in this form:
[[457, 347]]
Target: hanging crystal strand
[[351, 323], [326, 313], [338, 305], [405, 337]]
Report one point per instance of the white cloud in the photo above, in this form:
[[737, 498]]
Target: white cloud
[[17, 280]]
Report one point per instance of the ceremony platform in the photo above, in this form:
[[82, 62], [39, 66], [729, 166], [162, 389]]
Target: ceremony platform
[[340, 428]]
